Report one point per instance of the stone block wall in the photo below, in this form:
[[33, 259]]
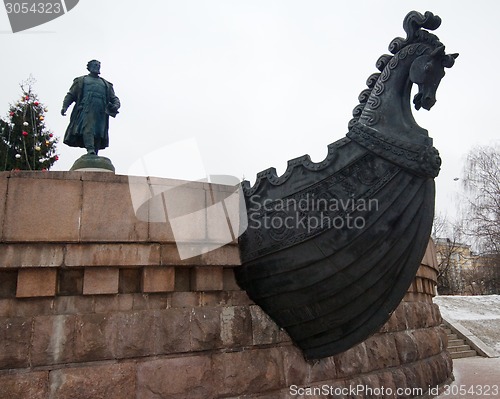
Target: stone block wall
[[96, 303]]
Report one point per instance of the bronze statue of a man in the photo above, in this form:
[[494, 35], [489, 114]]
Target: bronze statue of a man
[[95, 101]]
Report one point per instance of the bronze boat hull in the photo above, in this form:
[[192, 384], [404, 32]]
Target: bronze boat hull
[[332, 287]]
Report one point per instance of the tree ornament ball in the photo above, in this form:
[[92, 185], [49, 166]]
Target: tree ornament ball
[[45, 109], [25, 124], [25, 133], [37, 148], [18, 156], [36, 103], [47, 142], [42, 118]]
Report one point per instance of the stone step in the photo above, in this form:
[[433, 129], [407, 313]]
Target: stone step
[[458, 348], [455, 342], [459, 355]]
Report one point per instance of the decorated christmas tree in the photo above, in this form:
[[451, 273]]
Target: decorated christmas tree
[[25, 141]]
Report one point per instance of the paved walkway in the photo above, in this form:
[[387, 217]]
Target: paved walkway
[[475, 378]]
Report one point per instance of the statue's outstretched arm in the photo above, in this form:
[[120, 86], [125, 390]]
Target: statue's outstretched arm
[[114, 103], [70, 98]]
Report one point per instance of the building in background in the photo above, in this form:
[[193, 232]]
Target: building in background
[[464, 272]]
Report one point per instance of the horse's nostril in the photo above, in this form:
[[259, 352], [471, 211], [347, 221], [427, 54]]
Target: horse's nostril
[[429, 100]]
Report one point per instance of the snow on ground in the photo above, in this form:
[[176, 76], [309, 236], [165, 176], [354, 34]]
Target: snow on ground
[[479, 314]]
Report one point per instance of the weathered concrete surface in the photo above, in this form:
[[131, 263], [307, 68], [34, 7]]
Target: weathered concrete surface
[[475, 377]]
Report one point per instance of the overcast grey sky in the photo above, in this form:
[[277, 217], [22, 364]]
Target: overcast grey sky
[[254, 82]]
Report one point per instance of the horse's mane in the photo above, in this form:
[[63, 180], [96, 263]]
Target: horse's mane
[[412, 25]]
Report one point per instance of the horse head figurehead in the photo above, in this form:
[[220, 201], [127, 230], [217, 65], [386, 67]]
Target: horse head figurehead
[[427, 71]]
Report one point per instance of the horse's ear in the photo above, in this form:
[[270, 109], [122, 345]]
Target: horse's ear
[[449, 60], [439, 51]]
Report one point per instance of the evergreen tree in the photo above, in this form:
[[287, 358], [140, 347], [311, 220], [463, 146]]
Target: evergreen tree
[[25, 141]]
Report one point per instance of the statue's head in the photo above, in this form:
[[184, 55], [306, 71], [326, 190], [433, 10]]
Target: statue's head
[[94, 67], [427, 72]]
